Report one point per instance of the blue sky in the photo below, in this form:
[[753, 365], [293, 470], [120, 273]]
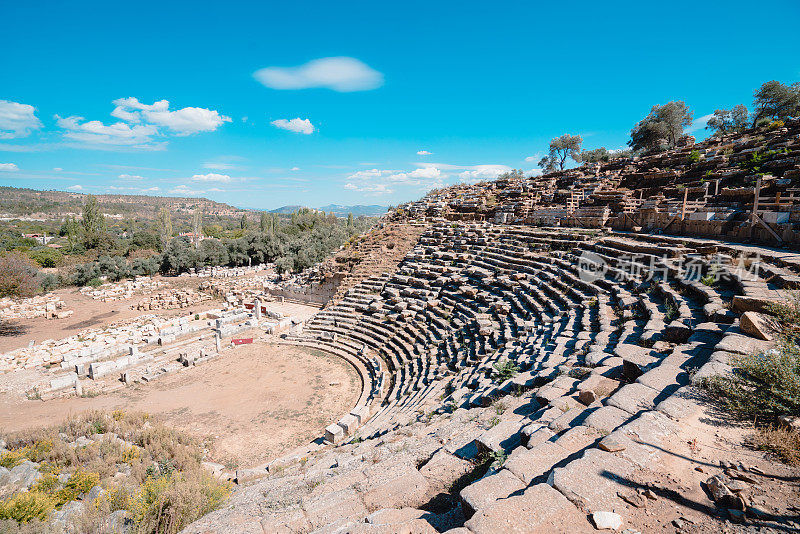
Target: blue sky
[[275, 103]]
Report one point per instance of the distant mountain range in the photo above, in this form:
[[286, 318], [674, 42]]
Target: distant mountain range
[[339, 210]]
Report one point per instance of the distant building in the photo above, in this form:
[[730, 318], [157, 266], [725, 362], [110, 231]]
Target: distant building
[[42, 239]]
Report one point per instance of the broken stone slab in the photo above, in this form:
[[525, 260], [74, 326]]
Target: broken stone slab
[[756, 325], [607, 520], [680, 405], [529, 464], [592, 481], [489, 489], [539, 510], [444, 468]]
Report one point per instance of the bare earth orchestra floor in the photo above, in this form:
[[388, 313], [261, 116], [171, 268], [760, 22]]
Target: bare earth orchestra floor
[[253, 404]]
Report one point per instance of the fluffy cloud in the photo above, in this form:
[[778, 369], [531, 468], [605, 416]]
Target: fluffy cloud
[[185, 121], [75, 187], [130, 177], [536, 157], [369, 189], [141, 123], [119, 133], [150, 190], [477, 173], [343, 74], [17, 120], [424, 153], [8, 167], [297, 125], [211, 177]]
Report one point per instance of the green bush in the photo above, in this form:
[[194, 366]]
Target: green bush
[[504, 370], [761, 386], [694, 156], [26, 506]]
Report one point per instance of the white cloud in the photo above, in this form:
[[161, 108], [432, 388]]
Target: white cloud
[[369, 189], [57, 169], [184, 190], [8, 167], [211, 177], [150, 189], [295, 169], [698, 124], [130, 177], [343, 74], [297, 125], [17, 120], [95, 132], [424, 153], [535, 158], [141, 123], [478, 173], [216, 190], [75, 187]]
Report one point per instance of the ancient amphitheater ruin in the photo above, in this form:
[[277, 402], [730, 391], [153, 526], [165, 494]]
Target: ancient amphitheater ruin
[[526, 351]]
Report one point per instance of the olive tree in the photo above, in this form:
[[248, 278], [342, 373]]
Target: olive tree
[[662, 127]]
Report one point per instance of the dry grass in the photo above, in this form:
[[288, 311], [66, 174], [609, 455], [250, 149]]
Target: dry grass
[[781, 442], [165, 487]]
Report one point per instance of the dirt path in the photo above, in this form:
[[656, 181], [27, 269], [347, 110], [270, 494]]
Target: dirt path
[[253, 404]]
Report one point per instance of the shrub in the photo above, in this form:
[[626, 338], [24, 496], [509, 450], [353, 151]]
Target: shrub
[[17, 276], [504, 370], [47, 257], [784, 443], [26, 506], [775, 125], [94, 282], [694, 156], [761, 386]]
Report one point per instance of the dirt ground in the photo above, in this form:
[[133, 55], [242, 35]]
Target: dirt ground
[[253, 404]]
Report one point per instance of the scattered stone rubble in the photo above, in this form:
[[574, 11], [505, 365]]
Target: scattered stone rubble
[[170, 299], [123, 290], [49, 305]]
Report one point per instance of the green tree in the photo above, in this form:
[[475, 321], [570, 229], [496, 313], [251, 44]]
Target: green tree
[[164, 226], [243, 222], [548, 164], [662, 127], [597, 155], [726, 121], [775, 101], [93, 222], [563, 147], [70, 229]]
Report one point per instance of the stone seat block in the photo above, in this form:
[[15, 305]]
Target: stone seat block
[[607, 418], [592, 481], [665, 378], [529, 464], [539, 510], [489, 489], [634, 398]]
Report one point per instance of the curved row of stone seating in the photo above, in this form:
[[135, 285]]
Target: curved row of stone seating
[[604, 374]]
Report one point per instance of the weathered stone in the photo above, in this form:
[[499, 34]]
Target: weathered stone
[[539, 510], [634, 398], [607, 418], [592, 482], [529, 464], [444, 468], [756, 325], [607, 520], [334, 506], [489, 489]]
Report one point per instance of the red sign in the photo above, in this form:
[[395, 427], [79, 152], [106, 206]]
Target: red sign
[[242, 341]]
